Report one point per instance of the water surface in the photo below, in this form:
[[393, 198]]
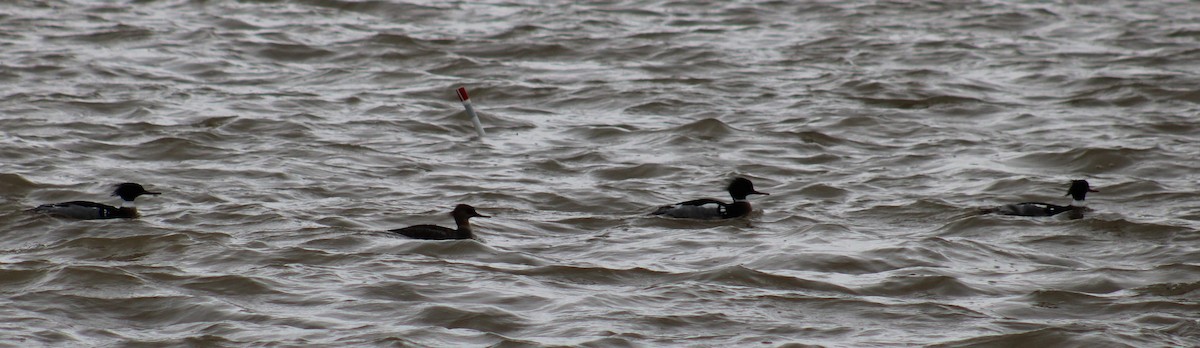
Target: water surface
[[285, 135]]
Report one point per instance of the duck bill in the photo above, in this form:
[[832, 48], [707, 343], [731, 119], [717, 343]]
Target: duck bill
[[480, 215], [760, 193], [152, 193]]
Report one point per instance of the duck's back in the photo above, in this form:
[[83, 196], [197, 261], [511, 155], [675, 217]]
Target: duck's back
[[695, 209], [85, 210], [1032, 209], [432, 232]]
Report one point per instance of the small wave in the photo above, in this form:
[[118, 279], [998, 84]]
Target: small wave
[[667, 106], [233, 285], [1009, 21], [408, 11], [595, 275], [242, 125], [119, 107], [1085, 160], [235, 24], [1066, 336], [828, 262], [640, 171], [171, 149], [742, 276], [1168, 329], [922, 103], [709, 128], [15, 184], [117, 34], [1119, 96], [469, 251], [291, 52], [538, 50], [925, 285], [606, 132], [826, 192], [1169, 289], [121, 310], [392, 39], [484, 319]]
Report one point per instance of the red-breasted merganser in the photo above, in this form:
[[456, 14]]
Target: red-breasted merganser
[[462, 215], [1078, 191], [713, 209], [92, 210]]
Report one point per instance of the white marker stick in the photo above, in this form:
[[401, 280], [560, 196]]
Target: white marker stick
[[466, 100]]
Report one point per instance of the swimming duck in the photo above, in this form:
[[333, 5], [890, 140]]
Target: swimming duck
[[462, 215], [707, 208], [93, 211], [1078, 191]]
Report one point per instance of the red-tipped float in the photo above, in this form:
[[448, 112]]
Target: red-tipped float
[[462, 94], [466, 101]]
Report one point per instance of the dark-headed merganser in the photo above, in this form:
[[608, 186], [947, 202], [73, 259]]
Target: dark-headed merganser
[[92, 210], [1078, 191], [713, 209], [462, 215]]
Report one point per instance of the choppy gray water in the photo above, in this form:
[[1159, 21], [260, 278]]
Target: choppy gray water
[[285, 134]]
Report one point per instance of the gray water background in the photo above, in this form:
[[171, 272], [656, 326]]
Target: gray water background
[[285, 135]]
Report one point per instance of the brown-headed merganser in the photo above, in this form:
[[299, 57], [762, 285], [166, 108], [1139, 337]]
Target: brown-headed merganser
[[92, 210], [1078, 191], [707, 208], [462, 215]]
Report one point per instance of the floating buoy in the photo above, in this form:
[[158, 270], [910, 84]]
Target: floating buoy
[[466, 101]]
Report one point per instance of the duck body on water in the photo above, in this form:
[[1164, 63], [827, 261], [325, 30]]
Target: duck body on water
[[462, 215], [711, 209], [1078, 192], [85, 210]]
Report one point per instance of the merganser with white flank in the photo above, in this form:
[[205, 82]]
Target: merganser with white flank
[[462, 215], [93, 211], [1078, 191], [710, 209]]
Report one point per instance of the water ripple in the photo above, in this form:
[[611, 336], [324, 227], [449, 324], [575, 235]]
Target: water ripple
[[287, 137]]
